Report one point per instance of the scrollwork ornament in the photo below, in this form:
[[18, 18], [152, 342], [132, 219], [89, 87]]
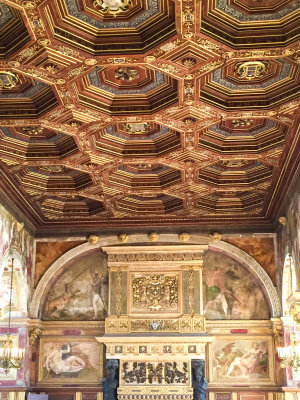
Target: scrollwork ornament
[[34, 334]]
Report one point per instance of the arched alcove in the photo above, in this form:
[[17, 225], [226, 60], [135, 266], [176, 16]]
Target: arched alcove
[[247, 261]]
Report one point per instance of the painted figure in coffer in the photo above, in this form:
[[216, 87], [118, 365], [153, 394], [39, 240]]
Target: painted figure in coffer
[[80, 292], [230, 291]]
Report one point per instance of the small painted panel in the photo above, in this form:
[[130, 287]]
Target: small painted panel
[[241, 360], [70, 360]]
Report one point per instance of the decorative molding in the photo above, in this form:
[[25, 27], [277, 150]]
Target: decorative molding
[[155, 257], [185, 324]]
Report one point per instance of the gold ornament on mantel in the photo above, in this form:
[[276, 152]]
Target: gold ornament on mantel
[[184, 236], [93, 239], [153, 236], [215, 237], [123, 238]]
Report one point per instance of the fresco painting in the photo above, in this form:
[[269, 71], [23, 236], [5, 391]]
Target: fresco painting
[[69, 360], [80, 292], [230, 292], [240, 359], [261, 249], [48, 252]]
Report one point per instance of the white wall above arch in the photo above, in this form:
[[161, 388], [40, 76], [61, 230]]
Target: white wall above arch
[[170, 238]]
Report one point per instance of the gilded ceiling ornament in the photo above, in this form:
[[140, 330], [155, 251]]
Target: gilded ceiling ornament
[[241, 123], [149, 59], [15, 64], [251, 69], [184, 236], [153, 236], [123, 238], [44, 42], [141, 127], [93, 239], [282, 220], [215, 237], [126, 74], [29, 4], [8, 80], [189, 120], [90, 61], [52, 168], [60, 81], [113, 6], [33, 130], [189, 62], [50, 67], [234, 163], [288, 52]]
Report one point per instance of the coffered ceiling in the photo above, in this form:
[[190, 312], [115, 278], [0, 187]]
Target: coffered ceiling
[[119, 113]]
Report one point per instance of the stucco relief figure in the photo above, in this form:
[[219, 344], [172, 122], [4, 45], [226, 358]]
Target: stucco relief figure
[[61, 361], [242, 359], [80, 293], [230, 291]]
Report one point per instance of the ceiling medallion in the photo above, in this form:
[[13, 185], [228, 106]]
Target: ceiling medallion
[[53, 168], [234, 163], [126, 74], [241, 123], [251, 69], [8, 80], [33, 130], [113, 6], [189, 62], [137, 128]]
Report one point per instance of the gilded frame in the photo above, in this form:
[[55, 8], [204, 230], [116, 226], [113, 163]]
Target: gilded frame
[[85, 376]]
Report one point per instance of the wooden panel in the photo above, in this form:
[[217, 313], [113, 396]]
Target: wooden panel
[[252, 396], [57, 396], [89, 396]]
